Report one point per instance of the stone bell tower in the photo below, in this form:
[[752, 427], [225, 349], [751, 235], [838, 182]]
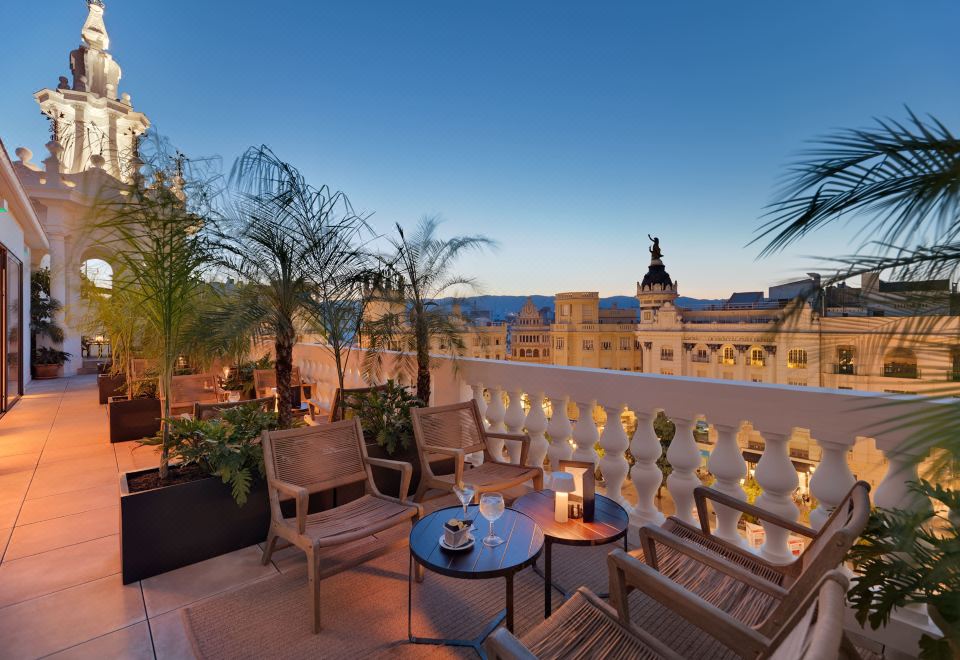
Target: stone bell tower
[[657, 288], [88, 116]]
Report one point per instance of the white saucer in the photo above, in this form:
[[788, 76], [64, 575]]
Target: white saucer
[[465, 546]]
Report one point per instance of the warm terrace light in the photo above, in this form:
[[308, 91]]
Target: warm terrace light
[[562, 484]]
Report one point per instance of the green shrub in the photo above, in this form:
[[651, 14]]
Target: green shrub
[[384, 414]]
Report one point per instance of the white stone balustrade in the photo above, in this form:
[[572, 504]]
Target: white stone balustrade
[[585, 433], [536, 425], [495, 414], [513, 419], [778, 478], [645, 473], [727, 465], [831, 481], [477, 389], [613, 464], [561, 431], [684, 456]]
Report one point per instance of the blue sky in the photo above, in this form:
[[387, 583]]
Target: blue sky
[[566, 131]]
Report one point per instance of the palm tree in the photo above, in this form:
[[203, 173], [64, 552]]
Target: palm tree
[[416, 274], [902, 180], [285, 240], [158, 236]]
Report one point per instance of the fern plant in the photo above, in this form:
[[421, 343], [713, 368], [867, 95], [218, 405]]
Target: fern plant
[[228, 447], [384, 414]]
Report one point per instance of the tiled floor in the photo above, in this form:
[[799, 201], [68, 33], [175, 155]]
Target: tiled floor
[[60, 588]]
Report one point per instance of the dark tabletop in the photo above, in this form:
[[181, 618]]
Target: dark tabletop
[[610, 520], [523, 542]]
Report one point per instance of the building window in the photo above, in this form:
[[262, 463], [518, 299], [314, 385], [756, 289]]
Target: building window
[[546, 352], [798, 382], [796, 358], [606, 345], [701, 355], [588, 344], [728, 356], [497, 341], [756, 357], [559, 344], [624, 343], [647, 315], [666, 354], [536, 352], [900, 363], [565, 309], [845, 360], [756, 379]]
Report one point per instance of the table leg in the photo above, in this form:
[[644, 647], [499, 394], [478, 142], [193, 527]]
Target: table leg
[[547, 579], [509, 579], [410, 599]]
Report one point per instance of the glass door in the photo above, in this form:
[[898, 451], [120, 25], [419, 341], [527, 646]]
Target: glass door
[[11, 325]]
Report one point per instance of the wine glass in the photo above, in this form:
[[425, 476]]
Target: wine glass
[[491, 508], [465, 493]]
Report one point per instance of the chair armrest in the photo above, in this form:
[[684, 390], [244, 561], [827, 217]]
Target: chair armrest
[[625, 569], [650, 536], [406, 473], [701, 494], [516, 437], [458, 454], [502, 645], [300, 494]]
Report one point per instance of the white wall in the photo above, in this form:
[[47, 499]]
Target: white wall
[[12, 237]]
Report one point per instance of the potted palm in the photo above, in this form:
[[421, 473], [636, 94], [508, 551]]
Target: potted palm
[[47, 362], [217, 490]]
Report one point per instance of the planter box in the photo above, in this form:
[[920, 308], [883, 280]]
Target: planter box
[[45, 371], [109, 386], [178, 525], [133, 419]]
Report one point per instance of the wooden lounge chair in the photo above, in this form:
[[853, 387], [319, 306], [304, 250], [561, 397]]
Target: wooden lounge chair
[[303, 461], [213, 410], [587, 627], [457, 430], [191, 389], [264, 380], [742, 584]]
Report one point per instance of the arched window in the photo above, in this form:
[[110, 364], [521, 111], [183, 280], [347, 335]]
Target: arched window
[[900, 363], [728, 356], [846, 360], [536, 352], [757, 358], [796, 358]]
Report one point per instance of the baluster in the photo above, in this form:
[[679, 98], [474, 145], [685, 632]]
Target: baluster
[[893, 492], [727, 465], [495, 414], [778, 478], [536, 424], [646, 474], [830, 482], [481, 402], [613, 465], [513, 419], [585, 434], [560, 431], [684, 456]]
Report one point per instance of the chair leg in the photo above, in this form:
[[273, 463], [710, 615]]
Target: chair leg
[[538, 481], [269, 548], [314, 585]]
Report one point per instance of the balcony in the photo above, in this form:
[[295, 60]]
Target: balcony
[[844, 369], [705, 359], [898, 370]]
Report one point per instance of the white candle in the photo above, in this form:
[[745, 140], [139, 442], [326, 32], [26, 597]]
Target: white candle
[[560, 508]]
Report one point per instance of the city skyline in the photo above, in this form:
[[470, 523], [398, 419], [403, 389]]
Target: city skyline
[[565, 134]]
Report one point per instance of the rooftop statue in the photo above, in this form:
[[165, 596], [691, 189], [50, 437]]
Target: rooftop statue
[[655, 252]]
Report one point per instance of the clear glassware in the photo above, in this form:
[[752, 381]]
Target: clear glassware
[[491, 508], [465, 493]]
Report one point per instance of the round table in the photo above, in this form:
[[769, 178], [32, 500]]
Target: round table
[[609, 524], [523, 543]]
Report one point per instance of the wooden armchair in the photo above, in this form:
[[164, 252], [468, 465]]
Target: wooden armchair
[[741, 583], [457, 430], [213, 410], [303, 461], [686, 625], [187, 390]]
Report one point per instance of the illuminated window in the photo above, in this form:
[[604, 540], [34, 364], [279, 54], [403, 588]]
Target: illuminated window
[[756, 357], [588, 344], [796, 358], [606, 345], [728, 356], [624, 343]]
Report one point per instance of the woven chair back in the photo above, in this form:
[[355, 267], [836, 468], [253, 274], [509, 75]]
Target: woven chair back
[[204, 411], [316, 457], [455, 426]]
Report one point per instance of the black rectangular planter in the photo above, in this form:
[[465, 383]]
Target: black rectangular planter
[[133, 419], [108, 386], [178, 525]]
